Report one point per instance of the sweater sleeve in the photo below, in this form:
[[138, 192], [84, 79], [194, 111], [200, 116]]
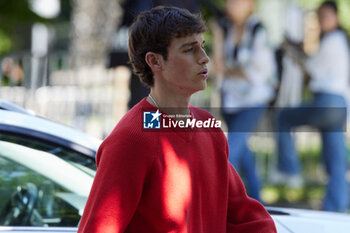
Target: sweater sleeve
[[118, 184], [244, 213]]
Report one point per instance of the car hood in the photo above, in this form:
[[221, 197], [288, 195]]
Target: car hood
[[309, 221], [55, 129]]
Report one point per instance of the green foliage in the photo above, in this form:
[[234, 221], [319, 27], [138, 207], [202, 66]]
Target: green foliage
[[14, 16], [5, 42], [16, 19], [344, 14], [13, 13]]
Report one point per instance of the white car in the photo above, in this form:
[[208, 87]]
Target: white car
[[47, 169], [46, 172]]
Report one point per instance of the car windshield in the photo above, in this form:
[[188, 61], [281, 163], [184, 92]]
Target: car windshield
[[81, 161], [39, 188]]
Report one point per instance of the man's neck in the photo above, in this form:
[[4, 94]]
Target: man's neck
[[169, 102]]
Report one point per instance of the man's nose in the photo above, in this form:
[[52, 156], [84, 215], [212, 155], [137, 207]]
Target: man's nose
[[204, 57]]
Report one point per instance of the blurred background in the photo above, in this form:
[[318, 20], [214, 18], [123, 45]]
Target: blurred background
[[67, 60]]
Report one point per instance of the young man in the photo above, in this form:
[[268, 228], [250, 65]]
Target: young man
[[169, 181]]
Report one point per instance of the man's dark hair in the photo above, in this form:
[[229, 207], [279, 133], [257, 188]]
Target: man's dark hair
[[330, 4], [154, 30]]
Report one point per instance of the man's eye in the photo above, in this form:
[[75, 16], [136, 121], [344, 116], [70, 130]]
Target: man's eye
[[188, 50]]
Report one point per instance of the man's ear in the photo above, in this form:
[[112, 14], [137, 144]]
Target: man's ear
[[153, 60]]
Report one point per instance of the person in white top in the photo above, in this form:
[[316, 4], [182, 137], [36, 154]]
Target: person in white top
[[329, 68], [243, 58], [291, 76], [329, 79]]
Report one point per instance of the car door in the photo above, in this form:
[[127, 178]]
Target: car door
[[40, 190]]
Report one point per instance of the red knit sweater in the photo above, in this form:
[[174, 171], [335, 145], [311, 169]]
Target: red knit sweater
[[159, 182]]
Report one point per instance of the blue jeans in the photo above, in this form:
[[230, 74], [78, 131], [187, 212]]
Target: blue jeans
[[240, 126], [327, 113]]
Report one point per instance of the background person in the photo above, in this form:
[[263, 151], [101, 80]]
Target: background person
[[329, 73], [246, 63]]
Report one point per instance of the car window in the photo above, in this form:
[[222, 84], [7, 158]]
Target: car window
[[39, 188], [65, 153]]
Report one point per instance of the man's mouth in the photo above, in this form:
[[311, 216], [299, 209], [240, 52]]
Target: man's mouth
[[203, 73]]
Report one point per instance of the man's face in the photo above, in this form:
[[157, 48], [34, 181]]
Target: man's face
[[185, 70]]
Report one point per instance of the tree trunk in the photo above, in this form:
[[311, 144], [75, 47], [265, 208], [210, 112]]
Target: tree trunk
[[93, 24]]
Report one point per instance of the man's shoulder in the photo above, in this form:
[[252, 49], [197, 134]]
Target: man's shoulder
[[130, 126], [129, 139], [131, 120]]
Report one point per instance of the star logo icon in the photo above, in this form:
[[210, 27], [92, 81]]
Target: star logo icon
[[155, 115], [151, 120]]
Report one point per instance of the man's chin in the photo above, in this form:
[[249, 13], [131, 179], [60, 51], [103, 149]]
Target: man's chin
[[202, 88]]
